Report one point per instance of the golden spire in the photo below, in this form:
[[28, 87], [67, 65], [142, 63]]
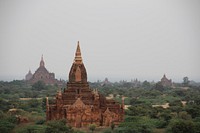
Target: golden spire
[[78, 58]]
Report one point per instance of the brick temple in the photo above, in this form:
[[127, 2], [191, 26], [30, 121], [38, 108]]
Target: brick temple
[[80, 105], [166, 82], [42, 74]]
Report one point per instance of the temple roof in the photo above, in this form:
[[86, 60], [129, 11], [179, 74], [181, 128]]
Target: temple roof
[[78, 58], [78, 103], [78, 72]]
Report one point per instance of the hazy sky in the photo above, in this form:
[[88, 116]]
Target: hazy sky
[[119, 39]]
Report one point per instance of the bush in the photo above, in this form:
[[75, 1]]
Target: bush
[[161, 124], [32, 129], [136, 124], [92, 127], [107, 131], [197, 127], [40, 122], [6, 126], [78, 131], [181, 126], [58, 126]]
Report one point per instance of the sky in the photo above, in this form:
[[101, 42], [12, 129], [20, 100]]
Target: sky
[[120, 40]]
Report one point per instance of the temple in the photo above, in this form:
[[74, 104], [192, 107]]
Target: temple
[[29, 75], [42, 74], [80, 105], [165, 81]]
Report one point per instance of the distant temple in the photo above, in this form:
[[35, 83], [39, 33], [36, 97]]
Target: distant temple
[[106, 82], [166, 82], [29, 75], [80, 105], [41, 74]]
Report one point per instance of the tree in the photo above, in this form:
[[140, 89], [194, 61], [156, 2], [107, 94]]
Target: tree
[[146, 85], [158, 86], [7, 122], [38, 86], [182, 126], [112, 126], [58, 126], [6, 126], [92, 127], [32, 129], [185, 81], [193, 110], [184, 115]]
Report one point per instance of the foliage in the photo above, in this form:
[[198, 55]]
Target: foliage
[[193, 110], [6, 126], [112, 126], [140, 117], [7, 122], [40, 85], [32, 129], [136, 124], [40, 122], [181, 126], [185, 81], [58, 126], [92, 127]]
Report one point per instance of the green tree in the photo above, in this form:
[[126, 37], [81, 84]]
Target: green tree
[[92, 127], [58, 126], [6, 126], [146, 85], [32, 129], [181, 126], [158, 86], [186, 81], [7, 122], [112, 126], [193, 110], [38, 86]]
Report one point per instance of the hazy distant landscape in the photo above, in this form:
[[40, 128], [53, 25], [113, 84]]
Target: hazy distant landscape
[[22, 107]]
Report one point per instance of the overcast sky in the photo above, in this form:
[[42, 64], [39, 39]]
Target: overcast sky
[[119, 39]]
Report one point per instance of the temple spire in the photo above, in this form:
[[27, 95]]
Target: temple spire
[[78, 58], [42, 61], [29, 71]]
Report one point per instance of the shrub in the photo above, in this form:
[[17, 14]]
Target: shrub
[[40, 122], [6, 126], [181, 126], [32, 129], [92, 127], [58, 126]]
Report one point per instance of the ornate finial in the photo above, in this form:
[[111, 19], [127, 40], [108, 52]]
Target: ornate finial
[[78, 58], [78, 50]]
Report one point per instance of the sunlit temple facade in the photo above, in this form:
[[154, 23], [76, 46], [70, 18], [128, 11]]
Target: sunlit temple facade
[[80, 105]]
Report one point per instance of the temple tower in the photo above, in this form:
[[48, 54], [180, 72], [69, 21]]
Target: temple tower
[[81, 105]]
